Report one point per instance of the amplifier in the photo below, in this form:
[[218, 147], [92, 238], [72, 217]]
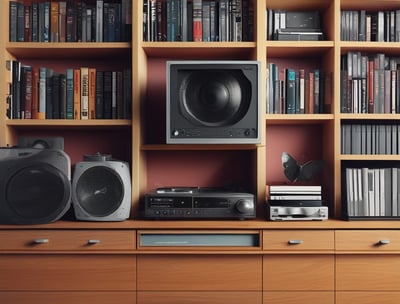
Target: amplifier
[[197, 203]]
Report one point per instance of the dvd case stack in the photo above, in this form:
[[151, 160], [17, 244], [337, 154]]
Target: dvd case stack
[[295, 195]]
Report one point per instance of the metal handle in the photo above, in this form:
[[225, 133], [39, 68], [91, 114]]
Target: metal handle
[[295, 242], [93, 242], [41, 241], [383, 242]]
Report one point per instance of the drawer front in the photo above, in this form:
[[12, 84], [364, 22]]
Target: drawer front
[[87, 240], [201, 297], [365, 297], [365, 240], [199, 272], [299, 297], [59, 272], [298, 240], [298, 272], [46, 297], [368, 272]]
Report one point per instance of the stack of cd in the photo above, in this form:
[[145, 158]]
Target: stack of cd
[[295, 195]]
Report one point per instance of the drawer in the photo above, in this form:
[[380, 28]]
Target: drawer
[[365, 297], [60, 297], [299, 297], [199, 272], [300, 272], [199, 297], [87, 240], [368, 272], [287, 240], [368, 240], [60, 272]]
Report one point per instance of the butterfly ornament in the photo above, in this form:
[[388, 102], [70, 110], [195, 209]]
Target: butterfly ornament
[[305, 172]]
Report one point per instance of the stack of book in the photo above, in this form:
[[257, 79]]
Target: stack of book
[[295, 195]]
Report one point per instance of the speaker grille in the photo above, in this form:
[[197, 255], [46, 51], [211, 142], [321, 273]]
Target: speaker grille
[[100, 191], [37, 192], [215, 97]]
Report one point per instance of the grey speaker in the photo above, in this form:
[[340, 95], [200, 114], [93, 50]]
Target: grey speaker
[[35, 185], [101, 190]]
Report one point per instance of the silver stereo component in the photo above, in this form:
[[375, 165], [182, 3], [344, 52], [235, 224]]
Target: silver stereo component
[[279, 213]]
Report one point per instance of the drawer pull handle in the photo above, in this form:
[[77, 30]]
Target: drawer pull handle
[[41, 241], [93, 242], [383, 242], [295, 242]]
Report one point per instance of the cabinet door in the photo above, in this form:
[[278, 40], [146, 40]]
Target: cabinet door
[[47, 297], [298, 272], [55, 272], [299, 297], [200, 297], [368, 272], [199, 272], [365, 297]]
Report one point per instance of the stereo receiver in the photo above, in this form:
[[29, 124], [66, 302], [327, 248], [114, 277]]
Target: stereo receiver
[[197, 203]]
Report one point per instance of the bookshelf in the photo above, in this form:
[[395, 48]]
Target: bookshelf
[[140, 140]]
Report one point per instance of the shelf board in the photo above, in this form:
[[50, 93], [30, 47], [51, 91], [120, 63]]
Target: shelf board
[[204, 147], [204, 50], [290, 119], [388, 48], [369, 116], [68, 50], [277, 48], [69, 123], [370, 157]]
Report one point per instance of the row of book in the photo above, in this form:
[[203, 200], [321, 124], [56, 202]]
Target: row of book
[[370, 139], [70, 21], [370, 83], [294, 25], [291, 91], [372, 192], [361, 25], [79, 93], [198, 20]]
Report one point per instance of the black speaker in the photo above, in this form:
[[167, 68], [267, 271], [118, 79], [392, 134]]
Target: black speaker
[[213, 102], [101, 189], [35, 185]]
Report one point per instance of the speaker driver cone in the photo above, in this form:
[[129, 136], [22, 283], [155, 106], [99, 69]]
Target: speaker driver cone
[[37, 193], [100, 191], [215, 98]]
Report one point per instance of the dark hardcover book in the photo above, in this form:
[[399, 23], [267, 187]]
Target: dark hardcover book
[[62, 21], [107, 93], [362, 34], [111, 23], [223, 20], [69, 93], [63, 96], [13, 9], [206, 30], [55, 99], [213, 22], [290, 91], [161, 17], [27, 23], [70, 30], [35, 22], [20, 22], [49, 93], [54, 22], [26, 96], [46, 22], [16, 89], [35, 93], [92, 93], [106, 7], [99, 95]]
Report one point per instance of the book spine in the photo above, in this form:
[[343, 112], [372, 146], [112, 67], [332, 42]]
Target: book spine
[[69, 93], [84, 93], [92, 93], [77, 93], [197, 20]]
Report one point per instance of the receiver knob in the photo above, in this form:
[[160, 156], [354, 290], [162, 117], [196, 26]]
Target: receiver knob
[[245, 206]]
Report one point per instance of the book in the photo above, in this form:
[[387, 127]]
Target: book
[[84, 106]]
